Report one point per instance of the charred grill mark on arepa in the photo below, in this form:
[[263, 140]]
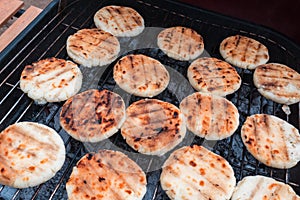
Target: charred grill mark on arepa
[[253, 143], [93, 115], [256, 59], [271, 140], [255, 189], [262, 187], [92, 47], [180, 43], [198, 171], [106, 175], [125, 17], [31, 153], [22, 135], [95, 38], [60, 78], [213, 76], [283, 147], [153, 126], [102, 169], [204, 114], [214, 163], [113, 11], [119, 20], [278, 82], [281, 74], [181, 33], [141, 75], [243, 52]]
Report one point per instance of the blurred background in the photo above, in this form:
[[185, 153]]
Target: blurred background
[[281, 15]]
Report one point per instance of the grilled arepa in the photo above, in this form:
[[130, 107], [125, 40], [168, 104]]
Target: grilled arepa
[[271, 140], [209, 116], [211, 75], [261, 187], [93, 115], [197, 173], [153, 127], [106, 175], [92, 47], [120, 21], [141, 75], [278, 82], [180, 43], [30, 154], [244, 52], [51, 80]]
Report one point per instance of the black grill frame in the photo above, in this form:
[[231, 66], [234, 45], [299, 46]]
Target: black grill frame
[[46, 38]]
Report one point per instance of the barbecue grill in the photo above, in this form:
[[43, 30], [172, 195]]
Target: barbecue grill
[[46, 37]]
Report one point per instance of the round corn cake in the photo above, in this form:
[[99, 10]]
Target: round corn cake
[[278, 82], [153, 127], [141, 75], [209, 116], [261, 187], [30, 154], [120, 21], [51, 80], [214, 76], [197, 173], [93, 115], [92, 47], [271, 140], [244, 52], [106, 175], [180, 43]]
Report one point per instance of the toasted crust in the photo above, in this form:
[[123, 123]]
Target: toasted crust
[[153, 127], [271, 140], [120, 21], [214, 76], [197, 173], [260, 187], [278, 82], [93, 115], [93, 47], [180, 43], [30, 154], [244, 52], [51, 80], [106, 175], [209, 116], [141, 75]]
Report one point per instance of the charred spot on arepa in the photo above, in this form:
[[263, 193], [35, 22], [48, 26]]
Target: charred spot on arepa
[[190, 169], [180, 43], [93, 115], [271, 140], [244, 52], [210, 116], [278, 83], [266, 187], [29, 148], [141, 75], [108, 171], [215, 76], [119, 20], [60, 78], [153, 126], [92, 47]]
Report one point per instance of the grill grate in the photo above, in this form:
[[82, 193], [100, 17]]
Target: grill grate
[[50, 41]]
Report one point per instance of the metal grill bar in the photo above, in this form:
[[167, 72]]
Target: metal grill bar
[[28, 44], [74, 18]]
